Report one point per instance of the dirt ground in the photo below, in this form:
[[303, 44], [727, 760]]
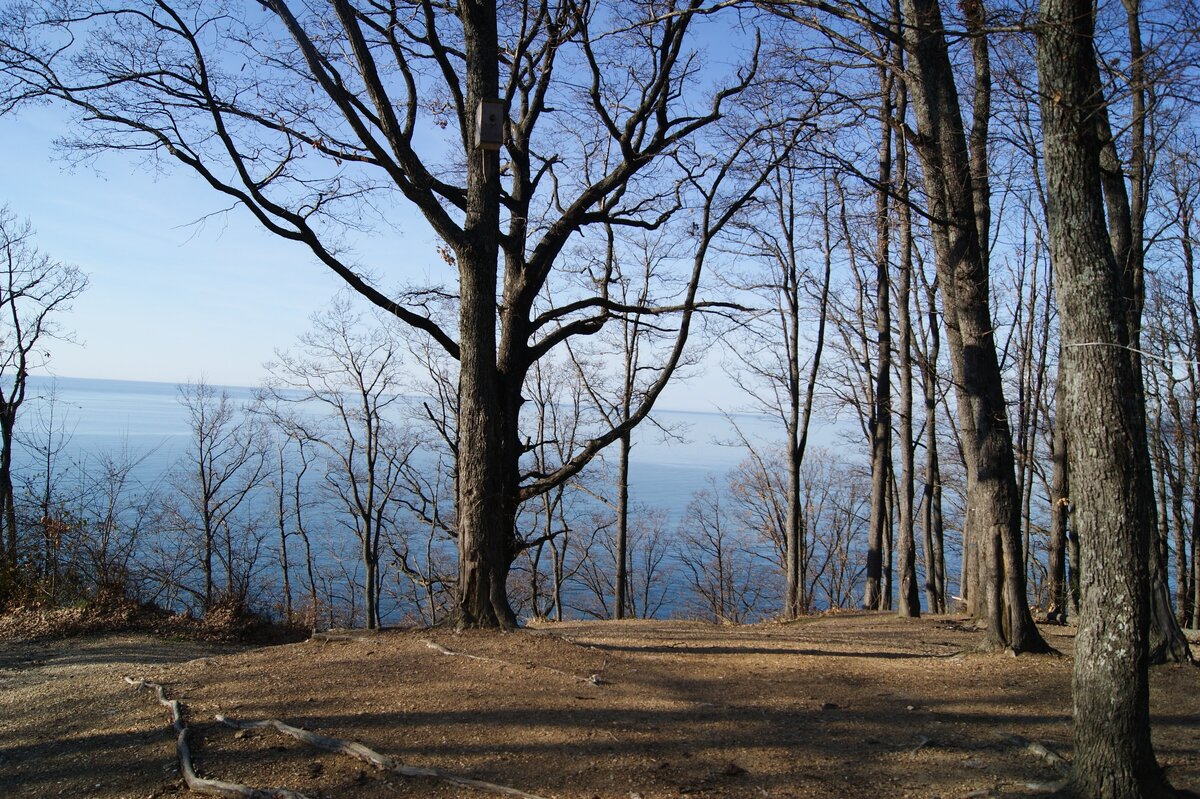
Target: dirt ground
[[836, 706]]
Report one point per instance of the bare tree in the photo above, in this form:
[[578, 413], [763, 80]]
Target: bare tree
[[291, 460], [224, 466], [651, 571], [837, 506], [723, 570], [640, 265], [310, 117], [564, 522], [877, 594], [119, 511], [779, 370], [34, 290], [340, 393], [45, 502]]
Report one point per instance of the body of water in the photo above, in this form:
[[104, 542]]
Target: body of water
[[147, 420], [95, 416]]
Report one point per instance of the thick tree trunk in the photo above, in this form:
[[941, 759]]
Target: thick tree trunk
[[794, 599], [1107, 442], [371, 583], [1190, 589], [1195, 575], [487, 494], [209, 543], [993, 506], [488, 395], [1126, 213]]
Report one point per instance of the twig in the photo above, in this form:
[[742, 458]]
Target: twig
[[379, 761], [195, 783]]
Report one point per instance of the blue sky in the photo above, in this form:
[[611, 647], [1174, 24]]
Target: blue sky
[[171, 299]]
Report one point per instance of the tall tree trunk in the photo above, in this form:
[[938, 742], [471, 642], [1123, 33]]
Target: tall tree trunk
[[1183, 576], [8, 509], [1107, 442], [488, 393], [1172, 472], [281, 518], [993, 506], [908, 597], [8, 512], [371, 584], [1126, 214], [797, 599], [621, 556], [881, 413], [209, 542]]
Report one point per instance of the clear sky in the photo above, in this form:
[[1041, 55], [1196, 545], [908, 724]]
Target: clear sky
[[172, 299], [169, 300]]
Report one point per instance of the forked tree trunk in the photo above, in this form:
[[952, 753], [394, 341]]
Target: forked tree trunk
[[935, 562], [1107, 442], [797, 599], [993, 506]]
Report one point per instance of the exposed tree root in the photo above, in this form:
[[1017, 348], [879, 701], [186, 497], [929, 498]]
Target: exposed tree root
[[195, 783], [328, 637], [379, 761], [1052, 758], [595, 679]]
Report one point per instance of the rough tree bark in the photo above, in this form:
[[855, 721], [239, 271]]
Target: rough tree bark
[[1107, 444], [993, 505], [1126, 207]]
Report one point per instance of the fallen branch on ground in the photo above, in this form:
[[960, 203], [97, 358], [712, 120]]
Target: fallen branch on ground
[[195, 783], [595, 679], [379, 761]]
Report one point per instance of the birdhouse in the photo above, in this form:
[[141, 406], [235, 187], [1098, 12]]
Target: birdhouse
[[489, 124]]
